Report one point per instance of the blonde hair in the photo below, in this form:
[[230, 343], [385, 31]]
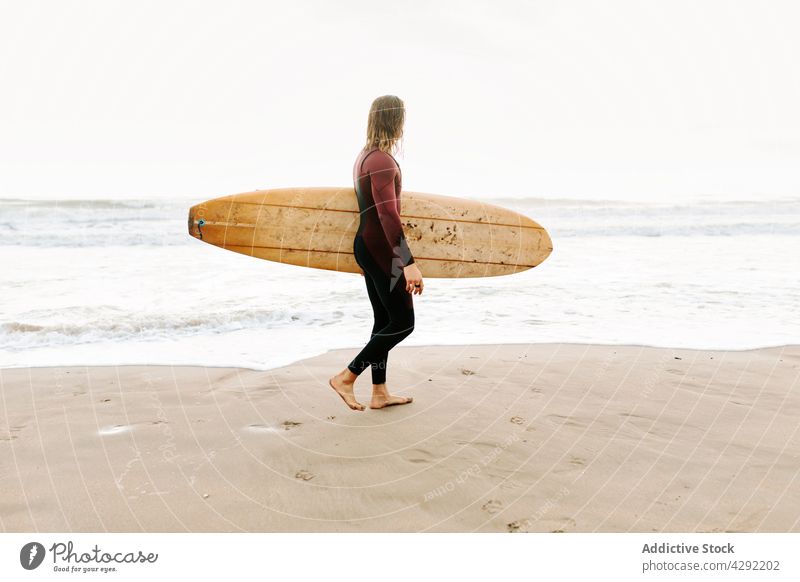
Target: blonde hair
[[385, 123]]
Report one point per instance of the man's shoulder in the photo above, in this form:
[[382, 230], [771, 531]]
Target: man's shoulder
[[379, 160]]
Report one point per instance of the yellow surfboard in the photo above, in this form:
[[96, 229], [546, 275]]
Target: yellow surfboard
[[315, 227]]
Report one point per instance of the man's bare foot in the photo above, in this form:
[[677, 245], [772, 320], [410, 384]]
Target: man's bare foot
[[344, 388], [381, 397]]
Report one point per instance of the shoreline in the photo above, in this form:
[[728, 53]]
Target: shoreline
[[421, 347], [514, 438]]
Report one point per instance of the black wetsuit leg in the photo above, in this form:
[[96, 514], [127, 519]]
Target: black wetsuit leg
[[381, 320], [393, 311]]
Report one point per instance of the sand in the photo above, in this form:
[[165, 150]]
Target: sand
[[500, 438]]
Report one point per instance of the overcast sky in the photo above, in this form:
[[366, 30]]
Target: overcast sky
[[630, 99]]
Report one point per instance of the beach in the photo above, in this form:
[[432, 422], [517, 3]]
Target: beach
[[545, 437]]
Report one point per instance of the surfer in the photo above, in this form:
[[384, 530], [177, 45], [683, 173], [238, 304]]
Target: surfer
[[381, 250]]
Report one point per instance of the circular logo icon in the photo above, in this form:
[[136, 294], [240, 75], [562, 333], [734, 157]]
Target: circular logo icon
[[31, 555]]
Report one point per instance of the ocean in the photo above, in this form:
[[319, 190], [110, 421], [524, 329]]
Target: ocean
[[114, 282]]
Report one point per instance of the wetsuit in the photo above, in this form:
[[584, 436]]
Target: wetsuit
[[381, 250]]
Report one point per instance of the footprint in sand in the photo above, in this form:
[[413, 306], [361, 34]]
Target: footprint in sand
[[9, 435], [563, 420], [573, 463], [517, 420], [418, 456], [492, 506], [304, 475], [510, 484], [576, 460], [567, 522], [266, 388]]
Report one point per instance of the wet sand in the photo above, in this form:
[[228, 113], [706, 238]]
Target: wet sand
[[501, 438]]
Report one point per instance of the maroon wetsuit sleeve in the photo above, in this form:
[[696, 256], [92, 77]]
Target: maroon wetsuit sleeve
[[382, 176]]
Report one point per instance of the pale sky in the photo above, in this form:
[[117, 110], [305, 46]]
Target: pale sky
[[625, 99]]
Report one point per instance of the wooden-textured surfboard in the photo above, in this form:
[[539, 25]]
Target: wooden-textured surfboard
[[315, 227]]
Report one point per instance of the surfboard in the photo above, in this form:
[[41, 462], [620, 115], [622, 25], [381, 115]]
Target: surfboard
[[315, 227]]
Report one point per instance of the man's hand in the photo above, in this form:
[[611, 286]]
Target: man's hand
[[414, 284]]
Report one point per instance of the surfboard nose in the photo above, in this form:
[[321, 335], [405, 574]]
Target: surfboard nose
[[191, 221], [195, 221]]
